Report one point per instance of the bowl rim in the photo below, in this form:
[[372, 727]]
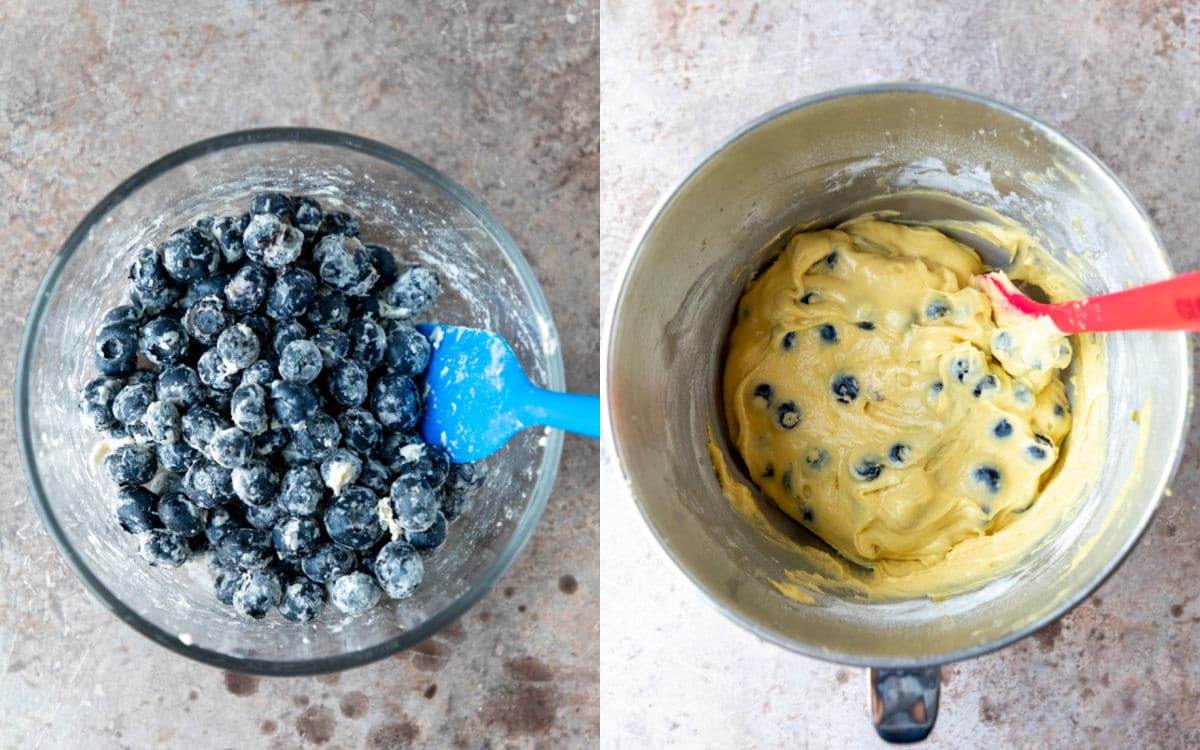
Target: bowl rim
[[616, 304], [556, 380]]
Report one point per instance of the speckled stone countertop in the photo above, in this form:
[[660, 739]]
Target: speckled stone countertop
[[1123, 669], [503, 100]]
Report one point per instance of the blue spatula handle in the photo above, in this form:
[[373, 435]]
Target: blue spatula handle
[[573, 412]]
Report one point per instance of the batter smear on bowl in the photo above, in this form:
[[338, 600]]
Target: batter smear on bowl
[[874, 397]]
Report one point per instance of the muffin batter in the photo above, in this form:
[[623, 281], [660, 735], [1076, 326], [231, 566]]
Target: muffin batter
[[874, 397]]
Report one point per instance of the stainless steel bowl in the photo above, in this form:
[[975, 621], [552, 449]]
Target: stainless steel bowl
[[826, 158]]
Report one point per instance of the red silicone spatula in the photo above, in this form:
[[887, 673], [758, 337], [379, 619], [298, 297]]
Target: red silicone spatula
[[1171, 305]]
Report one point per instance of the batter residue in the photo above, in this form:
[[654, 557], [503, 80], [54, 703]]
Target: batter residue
[[875, 398]]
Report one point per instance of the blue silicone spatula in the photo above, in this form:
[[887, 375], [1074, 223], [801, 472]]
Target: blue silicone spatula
[[477, 396]]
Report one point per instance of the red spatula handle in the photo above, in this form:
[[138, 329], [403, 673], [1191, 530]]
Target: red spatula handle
[[1171, 305]]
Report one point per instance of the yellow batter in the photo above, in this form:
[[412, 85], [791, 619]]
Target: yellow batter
[[875, 398]]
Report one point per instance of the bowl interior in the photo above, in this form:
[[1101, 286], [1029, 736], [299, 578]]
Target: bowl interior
[[922, 153], [400, 203]]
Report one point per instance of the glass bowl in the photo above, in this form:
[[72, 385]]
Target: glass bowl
[[401, 203]]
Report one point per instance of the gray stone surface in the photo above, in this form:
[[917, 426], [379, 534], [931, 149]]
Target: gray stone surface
[[1123, 669], [503, 99]]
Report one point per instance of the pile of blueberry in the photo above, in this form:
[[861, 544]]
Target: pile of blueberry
[[262, 379]]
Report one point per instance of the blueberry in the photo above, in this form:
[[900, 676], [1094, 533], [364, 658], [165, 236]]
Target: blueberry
[[307, 215], [828, 333], [809, 297], [868, 469], [116, 350], [220, 523], [328, 308], [293, 404], [285, 334], [327, 563], [227, 231], [937, 386], [215, 372], [1003, 428], [255, 483], [354, 593], [352, 518], [986, 383], [431, 538], [263, 517], [333, 345], [231, 448], [1036, 452], [844, 387], [271, 241], [162, 549], [300, 361], [199, 425], [414, 292], [360, 431], [467, 477], [960, 368], [428, 462], [348, 384], [390, 445], [162, 422], [1002, 341], [407, 351], [275, 204], [340, 222], [396, 403], [865, 325], [142, 377], [899, 453], [130, 465], [303, 600], [154, 301], [1059, 410], [345, 265], [385, 264], [453, 503], [248, 409], [206, 318], [936, 309], [96, 402], [398, 569], [272, 441], [208, 484], [290, 294], [245, 549], [261, 373], [831, 260], [189, 254], [177, 457], [295, 535], [340, 469], [788, 342], [413, 502], [988, 476], [317, 437], [368, 342], [257, 593], [131, 402], [816, 458], [135, 509], [375, 477], [163, 341], [180, 516], [788, 414], [204, 222], [301, 491], [225, 583], [207, 287], [146, 272]]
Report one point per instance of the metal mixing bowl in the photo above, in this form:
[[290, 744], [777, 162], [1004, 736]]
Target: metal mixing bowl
[[827, 158], [400, 202]]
